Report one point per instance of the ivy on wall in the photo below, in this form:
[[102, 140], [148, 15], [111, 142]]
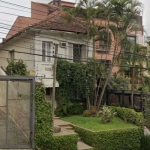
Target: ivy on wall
[[77, 79]]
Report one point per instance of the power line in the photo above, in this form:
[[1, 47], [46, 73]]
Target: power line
[[52, 38]]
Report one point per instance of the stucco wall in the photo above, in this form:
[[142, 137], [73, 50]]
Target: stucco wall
[[45, 69], [24, 43]]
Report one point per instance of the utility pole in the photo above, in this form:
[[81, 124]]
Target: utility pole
[[54, 81]]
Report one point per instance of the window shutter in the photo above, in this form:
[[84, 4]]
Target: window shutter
[[43, 51], [70, 53]]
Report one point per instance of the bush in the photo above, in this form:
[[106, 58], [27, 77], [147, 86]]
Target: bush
[[44, 119], [106, 114], [123, 139], [44, 138], [128, 115], [66, 142], [145, 143], [70, 109], [16, 68], [92, 112]]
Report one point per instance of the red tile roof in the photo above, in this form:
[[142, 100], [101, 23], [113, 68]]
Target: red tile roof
[[58, 21]]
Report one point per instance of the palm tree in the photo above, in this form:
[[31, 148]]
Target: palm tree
[[124, 13], [134, 60]]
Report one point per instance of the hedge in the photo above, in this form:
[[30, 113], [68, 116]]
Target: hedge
[[44, 138], [123, 139], [65, 142], [43, 126], [145, 142], [128, 115]]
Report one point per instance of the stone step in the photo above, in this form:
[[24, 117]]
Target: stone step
[[56, 117], [82, 146], [69, 128], [79, 139]]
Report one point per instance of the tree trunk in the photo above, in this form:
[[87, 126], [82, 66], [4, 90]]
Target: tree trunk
[[132, 87], [109, 74]]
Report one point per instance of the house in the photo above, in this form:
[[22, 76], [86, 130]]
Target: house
[[34, 41]]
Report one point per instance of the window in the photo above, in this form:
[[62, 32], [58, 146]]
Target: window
[[12, 54], [107, 63], [77, 52], [103, 41], [130, 43], [46, 51]]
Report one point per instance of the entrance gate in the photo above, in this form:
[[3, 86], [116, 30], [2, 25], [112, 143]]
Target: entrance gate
[[17, 111]]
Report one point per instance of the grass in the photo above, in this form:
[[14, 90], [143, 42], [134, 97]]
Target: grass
[[93, 123]]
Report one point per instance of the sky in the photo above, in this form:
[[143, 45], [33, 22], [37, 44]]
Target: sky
[[6, 20]]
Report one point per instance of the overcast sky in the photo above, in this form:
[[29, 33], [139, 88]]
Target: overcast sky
[[9, 19]]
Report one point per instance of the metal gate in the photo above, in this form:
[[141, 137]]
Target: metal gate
[[17, 112]]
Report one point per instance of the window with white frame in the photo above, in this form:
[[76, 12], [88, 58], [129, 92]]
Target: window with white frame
[[46, 51]]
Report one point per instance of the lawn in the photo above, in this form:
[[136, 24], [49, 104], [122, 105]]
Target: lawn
[[93, 123]]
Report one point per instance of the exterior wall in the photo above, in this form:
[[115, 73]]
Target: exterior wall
[[44, 69], [23, 43], [109, 55]]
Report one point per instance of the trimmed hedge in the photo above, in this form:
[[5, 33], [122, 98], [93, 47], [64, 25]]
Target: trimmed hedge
[[66, 142], [43, 126], [44, 138], [123, 139], [145, 142], [128, 115]]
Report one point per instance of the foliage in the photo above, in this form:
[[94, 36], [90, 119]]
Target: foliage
[[76, 81], [70, 109], [106, 114], [16, 68], [44, 138], [93, 123], [118, 83], [66, 142], [145, 143], [44, 119], [92, 112], [128, 115], [121, 139], [147, 110]]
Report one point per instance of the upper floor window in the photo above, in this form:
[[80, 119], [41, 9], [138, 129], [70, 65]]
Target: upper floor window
[[77, 52], [103, 41], [46, 51], [12, 54]]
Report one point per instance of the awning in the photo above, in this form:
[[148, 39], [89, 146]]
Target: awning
[[49, 83]]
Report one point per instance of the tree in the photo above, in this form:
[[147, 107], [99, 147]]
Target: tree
[[125, 14], [16, 68]]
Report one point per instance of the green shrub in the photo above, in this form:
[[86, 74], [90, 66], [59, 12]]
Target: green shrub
[[66, 142], [70, 109], [16, 68], [75, 109], [123, 139], [106, 114], [92, 112], [128, 115], [43, 127], [145, 143]]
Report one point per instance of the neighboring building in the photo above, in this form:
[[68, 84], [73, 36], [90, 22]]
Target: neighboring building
[[38, 41]]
